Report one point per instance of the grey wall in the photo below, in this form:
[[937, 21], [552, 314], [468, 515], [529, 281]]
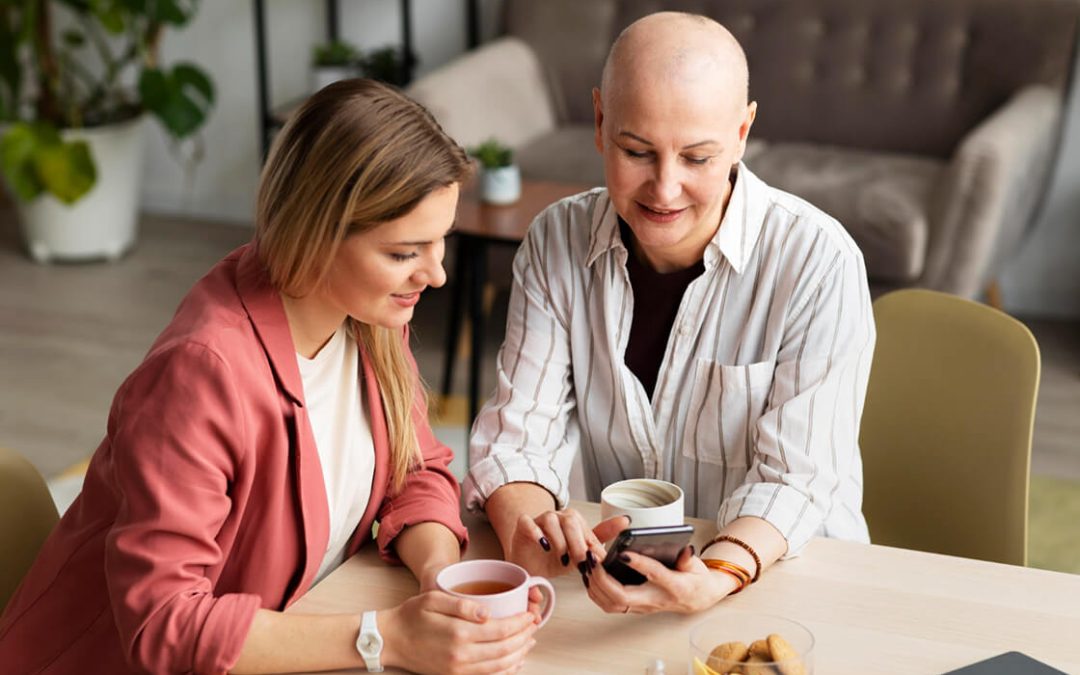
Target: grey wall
[[1043, 280]]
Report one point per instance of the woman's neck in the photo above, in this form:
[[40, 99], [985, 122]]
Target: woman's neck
[[311, 323]]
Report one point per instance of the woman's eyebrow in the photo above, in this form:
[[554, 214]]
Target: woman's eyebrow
[[691, 146], [453, 227]]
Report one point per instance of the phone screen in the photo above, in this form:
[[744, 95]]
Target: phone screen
[[660, 543]]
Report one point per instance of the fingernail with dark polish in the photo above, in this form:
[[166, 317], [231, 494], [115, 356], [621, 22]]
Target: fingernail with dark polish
[[693, 550], [582, 567], [565, 559], [545, 544], [625, 557], [585, 579], [591, 559]]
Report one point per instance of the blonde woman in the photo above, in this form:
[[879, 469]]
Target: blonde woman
[[273, 421]]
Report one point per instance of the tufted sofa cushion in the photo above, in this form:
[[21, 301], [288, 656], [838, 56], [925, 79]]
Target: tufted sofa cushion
[[566, 154], [882, 199]]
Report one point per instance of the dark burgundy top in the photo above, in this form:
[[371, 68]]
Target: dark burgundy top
[[656, 303]]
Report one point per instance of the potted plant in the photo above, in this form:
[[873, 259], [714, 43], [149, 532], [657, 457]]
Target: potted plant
[[500, 178], [388, 64], [72, 102], [333, 61]]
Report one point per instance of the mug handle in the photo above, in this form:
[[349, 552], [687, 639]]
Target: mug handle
[[548, 592]]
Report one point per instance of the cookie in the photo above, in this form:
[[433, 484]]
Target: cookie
[[727, 654], [755, 665], [786, 658], [760, 649]]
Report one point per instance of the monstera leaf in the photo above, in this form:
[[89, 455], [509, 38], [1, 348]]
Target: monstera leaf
[[180, 98], [35, 159]]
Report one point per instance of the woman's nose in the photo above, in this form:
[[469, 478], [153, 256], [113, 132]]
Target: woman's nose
[[667, 184], [432, 274]]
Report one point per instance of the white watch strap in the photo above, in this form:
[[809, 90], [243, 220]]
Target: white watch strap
[[370, 643]]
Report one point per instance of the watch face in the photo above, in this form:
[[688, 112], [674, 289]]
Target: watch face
[[369, 643]]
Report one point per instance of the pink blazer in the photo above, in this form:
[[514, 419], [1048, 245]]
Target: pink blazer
[[205, 500]]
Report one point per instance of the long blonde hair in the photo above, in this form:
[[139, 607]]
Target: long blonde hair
[[357, 154]]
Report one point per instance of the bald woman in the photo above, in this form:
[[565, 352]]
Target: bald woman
[[688, 323]]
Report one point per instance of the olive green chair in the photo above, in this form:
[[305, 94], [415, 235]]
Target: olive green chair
[[946, 431], [27, 515]]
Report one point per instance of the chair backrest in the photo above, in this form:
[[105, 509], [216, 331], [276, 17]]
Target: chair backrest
[[27, 515], [946, 430]]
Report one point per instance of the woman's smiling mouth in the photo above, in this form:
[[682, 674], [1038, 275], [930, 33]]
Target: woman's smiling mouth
[[660, 215]]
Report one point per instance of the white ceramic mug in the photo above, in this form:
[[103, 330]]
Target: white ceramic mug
[[501, 586], [648, 502]]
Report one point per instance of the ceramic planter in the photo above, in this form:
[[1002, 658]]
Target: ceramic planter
[[102, 224], [501, 185], [324, 75]]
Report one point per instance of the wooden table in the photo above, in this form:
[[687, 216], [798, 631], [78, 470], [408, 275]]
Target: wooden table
[[478, 227], [872, 609]]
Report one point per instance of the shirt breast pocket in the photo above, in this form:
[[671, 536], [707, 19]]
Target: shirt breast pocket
[[725, 405]]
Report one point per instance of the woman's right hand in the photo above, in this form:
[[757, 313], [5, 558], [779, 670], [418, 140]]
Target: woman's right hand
[[435, 632], [556, 542]]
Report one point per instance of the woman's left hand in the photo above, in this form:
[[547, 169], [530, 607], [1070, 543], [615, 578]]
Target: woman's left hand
[[689, 588]]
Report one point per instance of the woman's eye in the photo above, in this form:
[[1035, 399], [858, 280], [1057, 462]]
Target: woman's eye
[[698, 160], [635, 153], [403, 257]]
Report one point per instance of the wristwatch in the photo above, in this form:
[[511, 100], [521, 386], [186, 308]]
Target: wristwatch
[[369, 643]]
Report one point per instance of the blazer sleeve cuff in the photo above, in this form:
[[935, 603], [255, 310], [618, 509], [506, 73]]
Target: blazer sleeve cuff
[[392, 525]]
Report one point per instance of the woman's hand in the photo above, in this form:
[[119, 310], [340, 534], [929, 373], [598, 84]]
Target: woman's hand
[[435, 632], [691, 587], [556, 542]]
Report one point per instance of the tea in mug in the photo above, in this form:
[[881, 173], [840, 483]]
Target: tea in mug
[[483, 587]]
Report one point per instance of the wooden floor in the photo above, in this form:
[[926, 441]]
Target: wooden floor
[[69, 334]]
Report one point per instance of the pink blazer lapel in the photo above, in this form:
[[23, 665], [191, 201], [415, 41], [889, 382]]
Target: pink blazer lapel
[[263, 304]]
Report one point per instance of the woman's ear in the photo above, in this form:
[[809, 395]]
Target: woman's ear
[[744, 129], [598, 119]]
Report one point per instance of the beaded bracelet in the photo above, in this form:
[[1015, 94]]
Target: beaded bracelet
[[745, 546], [737, 571]]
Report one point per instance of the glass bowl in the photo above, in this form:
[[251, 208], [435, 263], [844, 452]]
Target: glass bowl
[[723, 644]]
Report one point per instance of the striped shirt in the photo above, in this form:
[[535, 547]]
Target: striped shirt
[[757, 405]]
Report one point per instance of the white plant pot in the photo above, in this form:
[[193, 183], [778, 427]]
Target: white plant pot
[[102, 224], [500, 186], [324, 75]]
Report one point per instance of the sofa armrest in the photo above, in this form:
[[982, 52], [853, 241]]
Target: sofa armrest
[[990, 190], [496, 91]]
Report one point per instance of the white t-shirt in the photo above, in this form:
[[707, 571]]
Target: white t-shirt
[[339, 421]]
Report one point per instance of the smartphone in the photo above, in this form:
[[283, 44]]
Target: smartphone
[[660, 543]]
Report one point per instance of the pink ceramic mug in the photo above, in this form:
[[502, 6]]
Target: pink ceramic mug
[[501, 586]]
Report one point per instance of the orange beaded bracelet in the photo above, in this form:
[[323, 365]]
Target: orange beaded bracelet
[[745, 546]]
